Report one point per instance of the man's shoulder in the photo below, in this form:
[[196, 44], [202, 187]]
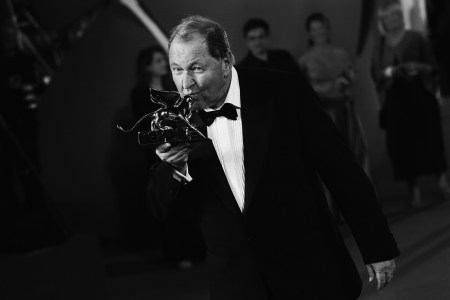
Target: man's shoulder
[[414, 37], [260, 85], [247, 61], [279, 52], [271, 78], [413, 33]]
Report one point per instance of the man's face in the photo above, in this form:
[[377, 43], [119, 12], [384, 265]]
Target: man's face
[[196, 73], [318, 32], [392, 18], [257, 39]]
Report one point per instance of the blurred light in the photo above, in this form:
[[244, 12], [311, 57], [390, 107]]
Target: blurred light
[[46, 79], [415, 14]]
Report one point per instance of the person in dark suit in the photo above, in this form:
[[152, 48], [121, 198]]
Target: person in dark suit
[[268, 231], [256, 33]]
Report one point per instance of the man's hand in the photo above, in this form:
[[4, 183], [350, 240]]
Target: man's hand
[[176, 156], [342, 82], [383, 271]]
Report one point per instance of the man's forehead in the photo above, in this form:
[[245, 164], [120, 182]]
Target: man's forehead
[[257, 31], [194, 47], [190, 38]]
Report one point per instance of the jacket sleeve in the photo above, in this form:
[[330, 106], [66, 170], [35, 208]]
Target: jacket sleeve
[[162, 190], [351, 188]]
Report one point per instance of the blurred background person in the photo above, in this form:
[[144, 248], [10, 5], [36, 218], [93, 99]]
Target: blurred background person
[[181, 243], [256, 34], [404, 71], [438, 17], [152, 70], [331, 73]]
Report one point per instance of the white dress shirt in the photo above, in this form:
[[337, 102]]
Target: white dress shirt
[[226, 136], [227, 139]]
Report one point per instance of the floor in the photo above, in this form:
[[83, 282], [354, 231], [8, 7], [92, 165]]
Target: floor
[[423, 236]]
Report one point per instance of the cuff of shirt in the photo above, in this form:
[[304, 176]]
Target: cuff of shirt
[[182, 178]]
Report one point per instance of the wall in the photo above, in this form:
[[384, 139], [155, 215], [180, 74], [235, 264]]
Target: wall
[[96, 174], [415, 14]]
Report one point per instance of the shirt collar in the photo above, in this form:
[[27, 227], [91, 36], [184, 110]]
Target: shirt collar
[[234, 92]]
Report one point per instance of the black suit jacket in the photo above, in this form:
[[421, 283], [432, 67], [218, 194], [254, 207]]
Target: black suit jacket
[[285, 241], [278, 60]]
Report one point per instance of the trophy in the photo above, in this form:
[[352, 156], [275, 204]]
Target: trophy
[[171, 123]]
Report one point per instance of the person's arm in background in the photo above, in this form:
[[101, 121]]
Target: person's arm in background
[[378, 74], [348, 74], [427, 66]]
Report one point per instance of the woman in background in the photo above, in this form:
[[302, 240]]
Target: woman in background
[[330, 72], [403, 69], [152, 69]]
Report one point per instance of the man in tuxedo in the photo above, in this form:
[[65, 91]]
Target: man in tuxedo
[[267, 227]]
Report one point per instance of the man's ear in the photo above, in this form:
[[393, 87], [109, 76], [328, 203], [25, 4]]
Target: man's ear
[[228, 61], [226, 64]]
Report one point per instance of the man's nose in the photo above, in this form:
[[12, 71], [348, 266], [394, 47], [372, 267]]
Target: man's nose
[[187, 83]]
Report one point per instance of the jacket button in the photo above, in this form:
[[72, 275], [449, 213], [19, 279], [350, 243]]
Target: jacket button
[[250, 238]]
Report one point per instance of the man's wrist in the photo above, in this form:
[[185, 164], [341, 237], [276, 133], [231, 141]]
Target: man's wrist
[[182, 177], [182, 169]]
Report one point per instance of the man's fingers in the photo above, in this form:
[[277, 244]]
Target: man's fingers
[[167, 147], [370, 271], [383, 271], [181, 146], [389, 276], [179, 157], [166, 151], [390, 272], [163, 147], [381, 279]]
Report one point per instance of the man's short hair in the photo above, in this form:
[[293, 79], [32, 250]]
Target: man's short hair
[[387, 3], [256, 23], [215, 36], [317, 17]]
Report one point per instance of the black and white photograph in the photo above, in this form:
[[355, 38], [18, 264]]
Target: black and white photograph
[[225, 150]]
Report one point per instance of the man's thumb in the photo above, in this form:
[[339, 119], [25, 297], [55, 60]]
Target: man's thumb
[[370, 271]]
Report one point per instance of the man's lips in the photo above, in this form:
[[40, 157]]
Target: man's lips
[[193, 95]]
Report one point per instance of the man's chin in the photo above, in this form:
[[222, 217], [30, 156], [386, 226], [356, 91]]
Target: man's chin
[[197, 106], [197, 103]]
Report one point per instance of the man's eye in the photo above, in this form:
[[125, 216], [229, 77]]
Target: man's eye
[[175, 69], [197, 69]]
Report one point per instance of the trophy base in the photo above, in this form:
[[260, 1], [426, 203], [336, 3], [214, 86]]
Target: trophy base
[[178, 135]]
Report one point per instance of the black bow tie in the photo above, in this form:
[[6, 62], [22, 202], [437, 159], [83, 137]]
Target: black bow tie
[[228, 111]]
